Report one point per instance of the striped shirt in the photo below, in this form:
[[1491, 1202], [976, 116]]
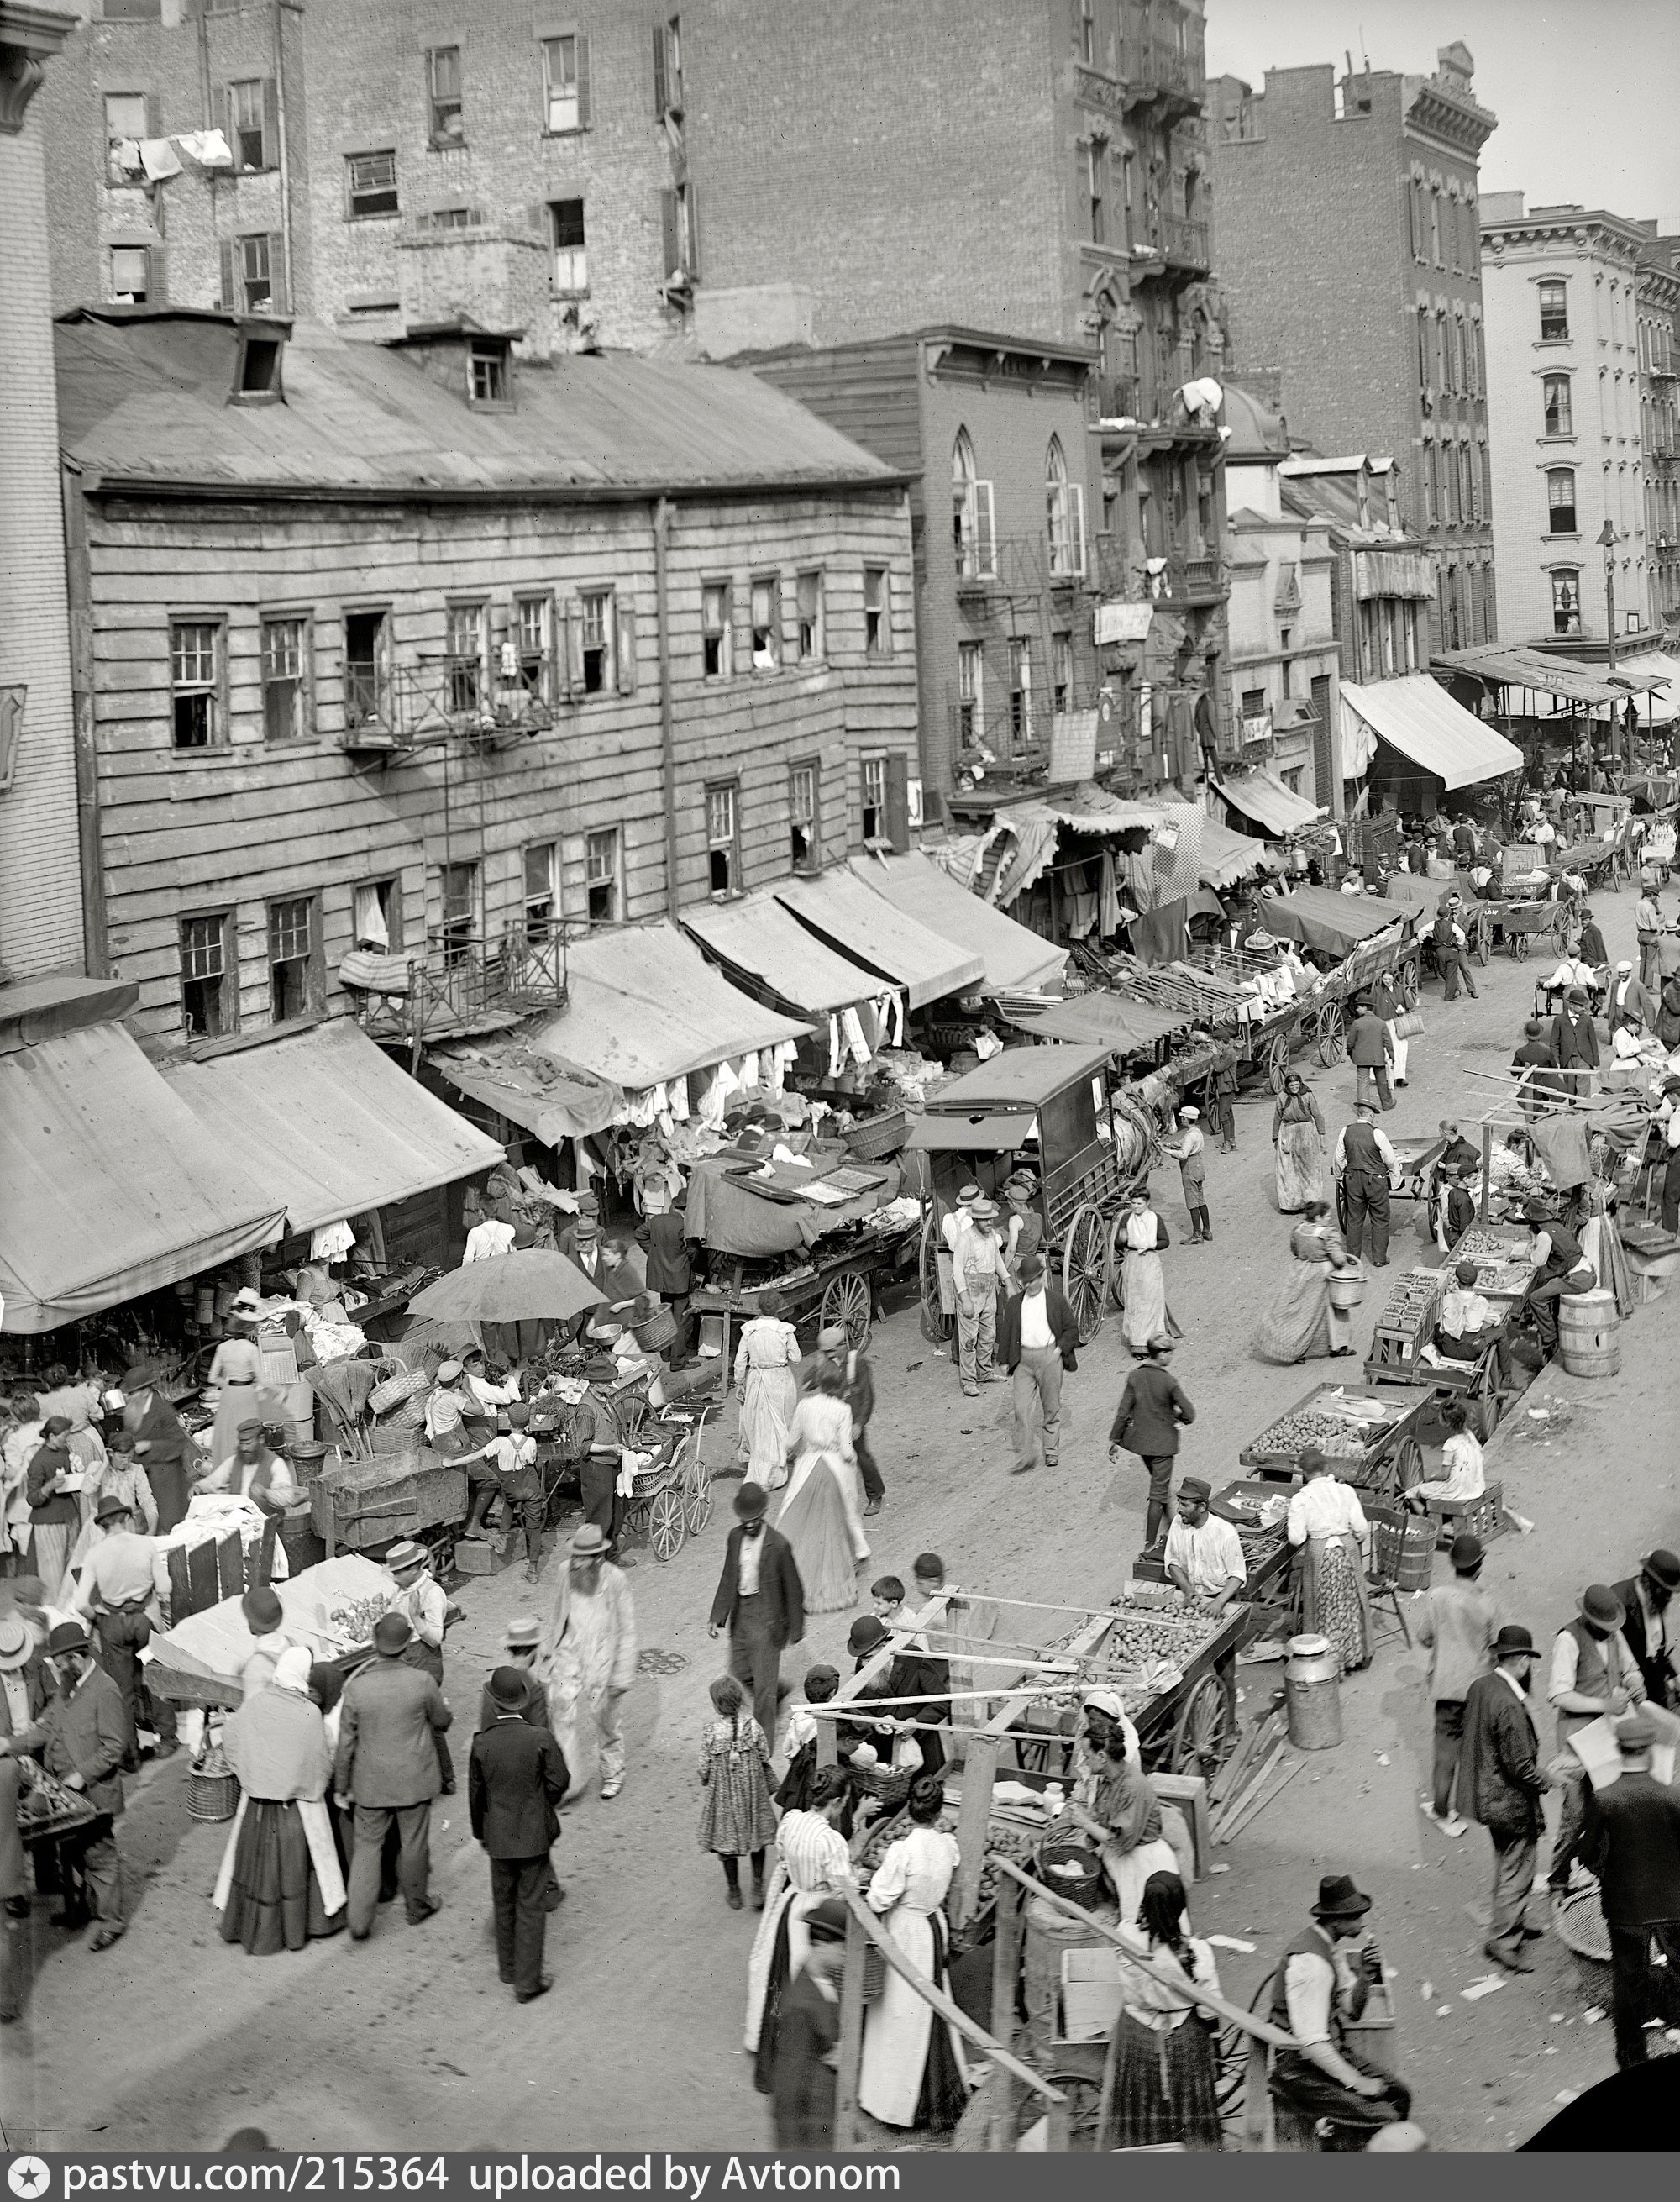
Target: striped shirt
[[813, 1852]]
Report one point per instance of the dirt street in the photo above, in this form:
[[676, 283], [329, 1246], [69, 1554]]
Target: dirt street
[[172, 2038]]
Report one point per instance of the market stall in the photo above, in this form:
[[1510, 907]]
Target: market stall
[[1017, 960], [1370, 1442]]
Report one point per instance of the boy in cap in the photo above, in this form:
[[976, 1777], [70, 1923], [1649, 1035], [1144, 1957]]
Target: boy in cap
[[803, 2072], [514, 1458], [1456, 1627], [1190, 1154]]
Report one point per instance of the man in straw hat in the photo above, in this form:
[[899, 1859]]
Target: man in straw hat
[[1501, 1784], [117, 1593], [761, 1601], [419, 1597], [1593, 1672], [589, 1654], [389, 1768], [1320, 1989], [1650, 1625], [1632, 1840], [516, 1778], [977, 1272]]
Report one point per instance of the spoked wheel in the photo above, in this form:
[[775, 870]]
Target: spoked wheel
[[1085, 1271], [697, 1497], [1084, 2102], [1332, 1034], [666, 1525], [1519, 946], [1278, 1061], [1202, 1736], [1408, 983], [936, 1325], [845, 1306], [1408, 1464], [1482, 936], [1114, 1268]]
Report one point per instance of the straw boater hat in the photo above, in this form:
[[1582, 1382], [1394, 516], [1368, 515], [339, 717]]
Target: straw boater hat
[[523, 1633], [982, 1211], [404, 1554], [833, 1338], [16, 1643], [590, 1542]]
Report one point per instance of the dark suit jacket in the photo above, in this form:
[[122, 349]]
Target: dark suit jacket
[[390, 1718], [516, 1776], [1151, 1408], [86, 1733], [669, 1272], [778, 1585], [1592, 949], [1574, 1040], [1369, 1047], [534, 1709], [1632, 1842], [1656, 1672], [1064, 1328], [163, 1435], [1499, 1780]]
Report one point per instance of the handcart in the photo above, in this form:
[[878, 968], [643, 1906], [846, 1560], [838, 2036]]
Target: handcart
[[671, 1499], [1367, 1441], [1416, 1159]]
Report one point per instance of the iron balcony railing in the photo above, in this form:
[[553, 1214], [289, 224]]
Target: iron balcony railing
[[463, 982]]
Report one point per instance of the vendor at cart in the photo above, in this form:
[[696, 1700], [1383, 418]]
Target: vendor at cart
[[1562, 1270], [1125, 1819], [1466, 1324], [254, 1471], [1204, 1556]]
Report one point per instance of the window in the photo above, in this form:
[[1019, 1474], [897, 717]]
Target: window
[[1020, 688], [1291, 777], [810, 623], [715, 641], [247, 136], [126, 124], [1414, 200], [566, 84], [1554, 395], [1087, 31], [291, 934], [1473, 378], [1565, 600], [1285, 670], [1454, 235], [1061, 671], [1458, 352], [1443, 375], [971, 692], [131, 274], [366, 668], [804, 818], [487, 363], [209, 999], [1096, 160], [1423, 347], [876, 612], [595, 617], [542, 891], [973, 530], [571, 262], [1449, 486], [370, 185], [258, 369], [1430, 488], [285, 644], [1065, 511], [723, 837], [376, 918], [767, 605], [1253, 703], [195, 679], [443, 84], [667, 69], [533, 646], [464, 656], [875, 798], [458, 888], [255, 277], [1435, 228], [1554, 312], [601, 889]]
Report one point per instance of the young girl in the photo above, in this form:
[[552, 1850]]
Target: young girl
[[737, 1817], [821, 1681]]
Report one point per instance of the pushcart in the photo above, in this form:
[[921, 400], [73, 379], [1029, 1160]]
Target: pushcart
[[1368, 1441], [671, 1499]]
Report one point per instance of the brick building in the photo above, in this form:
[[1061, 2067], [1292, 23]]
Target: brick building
[[41, 925], [422, 651], [1659, 308], [1350, 253]]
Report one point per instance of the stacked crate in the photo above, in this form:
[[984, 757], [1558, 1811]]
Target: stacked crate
[[1405, 1327]]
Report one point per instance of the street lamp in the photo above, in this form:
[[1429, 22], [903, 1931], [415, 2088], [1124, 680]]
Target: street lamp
[[1606, 542]]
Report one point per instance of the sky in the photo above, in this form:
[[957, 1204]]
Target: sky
[[1588, 97]]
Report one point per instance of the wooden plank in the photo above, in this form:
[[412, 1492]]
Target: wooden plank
[[979, 1771], [1010, 1933], [848, 2127]]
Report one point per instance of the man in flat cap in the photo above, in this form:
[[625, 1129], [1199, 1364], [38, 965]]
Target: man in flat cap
[[1631, 1841], [388, 1768]]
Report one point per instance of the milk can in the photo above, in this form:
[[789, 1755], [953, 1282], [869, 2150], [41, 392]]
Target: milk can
[[1313, 1692]]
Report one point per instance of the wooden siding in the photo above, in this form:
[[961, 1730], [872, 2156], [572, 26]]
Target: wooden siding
[[252, 821]]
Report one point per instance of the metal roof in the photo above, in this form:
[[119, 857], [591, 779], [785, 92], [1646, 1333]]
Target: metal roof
[[1020, 1078]]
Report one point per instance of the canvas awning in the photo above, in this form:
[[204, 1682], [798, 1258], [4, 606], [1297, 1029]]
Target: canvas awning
[[109, 1186], [1018, 961], [1227, 856], [556, 1100], [1263, 797], [868, 928], [1103, 1019], [644, 1006], [1332, 923], [762, 941], [1510, 667], [324, 1126], [969, 1135], [1416, 715], [1662, 704]]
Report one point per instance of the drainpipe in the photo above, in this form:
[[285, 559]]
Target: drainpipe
[[285, 163], [667, 720], [96, 952]]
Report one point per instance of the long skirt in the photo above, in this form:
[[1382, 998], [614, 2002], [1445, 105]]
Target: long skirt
[[1300, 1324], [768, 1401], [274, 1901], [1144, 1314], [1334, 1600], [237, 1404], [779, 1949], [913, 2072], [1164, 2092], [823, 1523], [1301, 1166], [1402, 1048], [50, 1555]]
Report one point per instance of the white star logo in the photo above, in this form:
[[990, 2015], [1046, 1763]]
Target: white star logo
[[28, 2175]]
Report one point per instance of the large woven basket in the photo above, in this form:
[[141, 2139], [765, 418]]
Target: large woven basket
[[392, 1391]]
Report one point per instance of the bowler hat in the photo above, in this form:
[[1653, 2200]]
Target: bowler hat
[[508, 1687], [864, 1634], [1598, 1605], [391, 1633], [262, 1610], [1033, 1269], [110, 1507], [1637, 1731], [1338, 1898], [1663, 1568], [68, 1636], [523, 1633], [1511, 1639], [827, 1923], [143, 1375], [1465, 1552], [751, 1502]]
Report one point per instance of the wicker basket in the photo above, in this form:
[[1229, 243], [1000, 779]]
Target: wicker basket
[[408, 1414], [212, 1789], [881, 1134], [393, 1390], [1578, 1923], [396, 1439], [655, 1335]]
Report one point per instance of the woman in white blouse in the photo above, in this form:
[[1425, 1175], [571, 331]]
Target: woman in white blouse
[[1326, 1516], [913, 2073]]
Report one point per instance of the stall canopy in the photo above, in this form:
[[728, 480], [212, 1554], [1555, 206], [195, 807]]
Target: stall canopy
[[968, 1135], [1263, 797], [1017, 960], [1116, 1021], [556, 1100], [1227, 856], [1020, 1079], [1511, 666], [643, 1005], [325, 1126], [108, 1186], [1415, 715], [841, 910], [1662, 704], [1333, 923], [766, 944]]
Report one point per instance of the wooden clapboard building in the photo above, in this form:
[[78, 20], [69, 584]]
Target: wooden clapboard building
[[424, 652]]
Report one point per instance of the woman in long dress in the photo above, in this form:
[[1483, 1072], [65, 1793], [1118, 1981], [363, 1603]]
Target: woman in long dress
[[235, 1368], [1298, 1134], [913, 2073], [1300, 1324], [1325, 1518], [811, 1862], [280, 1881], [820, 1511], [764, 1367], [1144, 1312], [1164, 2094]]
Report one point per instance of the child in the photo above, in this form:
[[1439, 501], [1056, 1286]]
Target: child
[[795, 1794], [738, 1816]]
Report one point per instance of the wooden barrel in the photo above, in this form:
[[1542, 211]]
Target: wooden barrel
[[1588, 1339], [1416, 1548]]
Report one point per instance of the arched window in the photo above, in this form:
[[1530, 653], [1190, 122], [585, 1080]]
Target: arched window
[[973, 534], [1065, 513]]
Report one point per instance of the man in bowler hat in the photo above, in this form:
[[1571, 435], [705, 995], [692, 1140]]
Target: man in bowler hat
[[1320, 1988], [761, 1601], [1501, 1784], [516, 1778]]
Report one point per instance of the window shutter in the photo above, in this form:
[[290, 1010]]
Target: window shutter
[[280, 288], [271, 125], [219, 114], [898, 800], [662, 83], [667, 212], [574, 651], [1076, 524], [583, 80], [231, 301], [539, 221], [985, 530], [626, 651], [691, 265]]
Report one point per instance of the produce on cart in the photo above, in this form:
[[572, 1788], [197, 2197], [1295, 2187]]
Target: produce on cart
[[1371, 1441]]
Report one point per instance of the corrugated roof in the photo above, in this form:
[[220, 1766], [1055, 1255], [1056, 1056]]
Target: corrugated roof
[[147, 400], [1514, 667]]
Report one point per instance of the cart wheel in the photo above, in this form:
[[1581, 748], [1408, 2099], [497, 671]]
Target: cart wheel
[[1407, 1463], [1084, 1278], [1084, 2103], [1114, 1272], [845, 1303], [1201, 1737], [1482, 943], [666, 1529], [1408, 983], [1332, 1034], [1519, 946], [697, 1510], [936, 1325], [1278, 1061]]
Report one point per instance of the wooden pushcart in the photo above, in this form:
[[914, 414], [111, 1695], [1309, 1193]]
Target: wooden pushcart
[[1367, 1441], [1417, 1158]]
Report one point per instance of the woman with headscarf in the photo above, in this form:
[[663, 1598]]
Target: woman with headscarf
[[1327, 1526], [1143, 1309], [820, 1511], [1164, 2094], [764, 1369], [280, 1881], [1302, 1324], [1298, 1134], [913, 2072]]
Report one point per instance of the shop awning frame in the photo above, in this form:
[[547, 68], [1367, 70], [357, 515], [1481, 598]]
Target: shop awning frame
[[1263, 797], [867, 928], [763, 942], [1018, 961], [1415, 714]]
